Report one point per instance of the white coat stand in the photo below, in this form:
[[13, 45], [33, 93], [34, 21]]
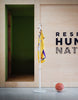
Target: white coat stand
[[40, 89]]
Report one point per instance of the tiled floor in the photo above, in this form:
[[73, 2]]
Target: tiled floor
[[29, 94]]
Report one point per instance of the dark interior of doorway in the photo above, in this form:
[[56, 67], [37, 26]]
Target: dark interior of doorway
[[19, 40]]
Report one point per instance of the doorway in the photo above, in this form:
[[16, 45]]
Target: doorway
[[19, 42]]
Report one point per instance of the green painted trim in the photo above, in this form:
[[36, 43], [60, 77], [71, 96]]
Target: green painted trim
[[11, 33], [19, 6], [6, 44]]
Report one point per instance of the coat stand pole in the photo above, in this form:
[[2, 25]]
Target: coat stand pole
[[40, 89]]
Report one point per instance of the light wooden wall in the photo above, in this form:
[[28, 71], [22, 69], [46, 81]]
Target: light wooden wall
[[57, 68]]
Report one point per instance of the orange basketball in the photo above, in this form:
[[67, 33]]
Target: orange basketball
[[59, 87]]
